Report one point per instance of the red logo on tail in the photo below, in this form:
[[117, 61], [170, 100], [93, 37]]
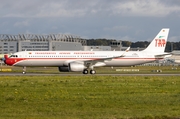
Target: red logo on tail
[[160, 43]]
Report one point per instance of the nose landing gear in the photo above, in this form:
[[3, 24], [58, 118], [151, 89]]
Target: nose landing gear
[[24, 70]]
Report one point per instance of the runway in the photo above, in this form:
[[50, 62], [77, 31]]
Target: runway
[[79, 74]]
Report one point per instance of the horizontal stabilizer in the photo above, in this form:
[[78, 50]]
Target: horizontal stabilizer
[[163, 55]]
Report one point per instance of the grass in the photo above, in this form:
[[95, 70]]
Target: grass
[[102, 70], [89, 97]]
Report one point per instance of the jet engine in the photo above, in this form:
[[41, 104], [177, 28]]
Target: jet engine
[[64, 69], [72, 67]]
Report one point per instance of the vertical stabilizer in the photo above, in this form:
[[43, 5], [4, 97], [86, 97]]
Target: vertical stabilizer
[[159, 42]]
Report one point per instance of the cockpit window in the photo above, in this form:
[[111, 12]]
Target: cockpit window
[[13, 56]]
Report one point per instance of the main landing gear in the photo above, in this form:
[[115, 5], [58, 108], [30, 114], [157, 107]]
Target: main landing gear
[[91, 71]]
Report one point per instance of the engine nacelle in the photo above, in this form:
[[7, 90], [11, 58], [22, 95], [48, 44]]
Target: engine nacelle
[[64, 69], [72, 67], [76, 67]]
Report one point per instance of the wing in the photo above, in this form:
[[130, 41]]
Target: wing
[[96, 62], [100, 62]]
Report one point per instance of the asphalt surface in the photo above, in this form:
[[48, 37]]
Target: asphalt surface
[[70, 74]]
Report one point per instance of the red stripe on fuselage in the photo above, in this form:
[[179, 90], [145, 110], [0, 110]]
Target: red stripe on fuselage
[[12, 61]]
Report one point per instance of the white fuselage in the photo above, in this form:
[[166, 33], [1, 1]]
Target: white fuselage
[[83, 60], [62, 58]]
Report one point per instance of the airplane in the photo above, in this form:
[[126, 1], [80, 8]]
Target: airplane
[[82, 61]]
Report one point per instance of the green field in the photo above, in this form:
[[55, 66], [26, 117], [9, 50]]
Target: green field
[[100, 70], [89, 97]]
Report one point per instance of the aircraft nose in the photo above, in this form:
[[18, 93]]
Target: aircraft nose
[[4, 59], [8, 62]]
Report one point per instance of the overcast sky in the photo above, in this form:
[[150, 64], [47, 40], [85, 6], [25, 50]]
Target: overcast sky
[[132, 20]]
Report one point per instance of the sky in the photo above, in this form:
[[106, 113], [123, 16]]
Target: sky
[[130, 20]]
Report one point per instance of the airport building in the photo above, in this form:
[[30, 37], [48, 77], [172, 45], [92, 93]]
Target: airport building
[[52, 42], [97, 48], [31, 42]]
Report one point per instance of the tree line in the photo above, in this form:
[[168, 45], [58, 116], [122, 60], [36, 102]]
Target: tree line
[[141, 44]]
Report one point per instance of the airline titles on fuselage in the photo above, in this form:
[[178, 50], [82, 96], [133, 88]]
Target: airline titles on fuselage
[[64, 53]]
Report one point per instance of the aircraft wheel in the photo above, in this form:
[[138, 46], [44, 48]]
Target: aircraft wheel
[[92, 71], [85, 71], [23, 72]]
